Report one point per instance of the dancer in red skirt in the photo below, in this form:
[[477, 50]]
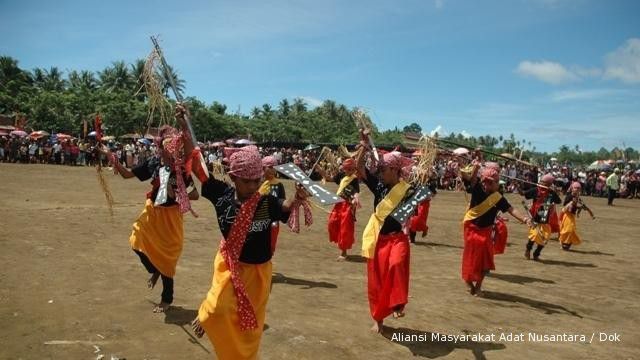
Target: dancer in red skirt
[[384, 243], [478, 224], [418, 222], [342, 219]]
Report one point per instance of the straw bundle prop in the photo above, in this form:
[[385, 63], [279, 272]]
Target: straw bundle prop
[[424, 167], [160, 108], [329, 161], [104, 185]]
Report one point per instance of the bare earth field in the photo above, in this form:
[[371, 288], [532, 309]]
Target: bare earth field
[[71, 288]]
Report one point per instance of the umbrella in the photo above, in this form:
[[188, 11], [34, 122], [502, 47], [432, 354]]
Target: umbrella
[[130, 136], [311, 147], [218, 144], [244, 142], [638, 172], [553, 159], [92, 134], [149, 136], [38, 134], [230, 141], [144, 141], [3, 133], [18, 133], [619, 161], [599, 165], [62, 136], [108, 138], [461, 151]]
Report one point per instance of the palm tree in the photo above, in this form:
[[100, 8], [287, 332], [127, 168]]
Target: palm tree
[[284, 107], [137, 74], [53, 80], [116, 77], [299, 106], [179, 83]]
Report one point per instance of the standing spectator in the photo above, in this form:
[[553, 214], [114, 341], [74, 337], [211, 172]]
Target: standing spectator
[[613, 185], [33, 150], [74, 151]]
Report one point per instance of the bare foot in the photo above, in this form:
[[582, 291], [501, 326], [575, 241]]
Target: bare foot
[[151, 283], [341, 258], [162, 307], [197, 328], [424, 233], [471, 288], [398, 314], [478, 292], [377, 327]]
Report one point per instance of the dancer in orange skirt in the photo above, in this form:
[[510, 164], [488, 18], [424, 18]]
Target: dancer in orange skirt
[[233, 312], [543, 213], [157, 234], [478, 224], [571, 207]]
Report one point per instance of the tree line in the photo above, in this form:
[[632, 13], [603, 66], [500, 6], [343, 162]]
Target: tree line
[[54, 101]]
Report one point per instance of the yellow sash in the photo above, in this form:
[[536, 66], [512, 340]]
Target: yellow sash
[[480, 209], [344, 182], [266, 186], [384, 208]]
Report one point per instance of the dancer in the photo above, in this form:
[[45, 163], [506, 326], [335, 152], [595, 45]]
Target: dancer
[[543, 213], [478, 223], [571, 208], [157, 236], [384, 243], [341, 224], [233, 312]]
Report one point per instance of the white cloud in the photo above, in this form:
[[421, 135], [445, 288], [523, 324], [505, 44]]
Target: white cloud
[[590, 94], [624, 63], [439, 130], [311, 101], [439, 4], [547, 71], [465, 134]]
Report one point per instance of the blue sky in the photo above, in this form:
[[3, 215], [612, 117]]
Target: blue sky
[[550, 71]]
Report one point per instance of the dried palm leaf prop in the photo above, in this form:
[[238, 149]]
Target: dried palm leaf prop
[[428, 150], [104, 185], [160, 108], [329, 162], [343, 152], [155, 82], [363, 123]]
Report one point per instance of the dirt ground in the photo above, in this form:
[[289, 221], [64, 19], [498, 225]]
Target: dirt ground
[[71, 288]]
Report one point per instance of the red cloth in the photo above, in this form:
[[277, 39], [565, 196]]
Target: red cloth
[[388, 275], [477, 256], [275, 230], [341, 226], [230, 248], [418, 221], [500, 237], [553, 221]]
